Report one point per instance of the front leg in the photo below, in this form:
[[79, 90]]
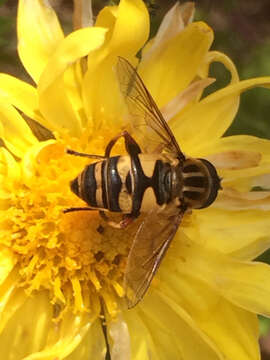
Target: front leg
[[131, 145]]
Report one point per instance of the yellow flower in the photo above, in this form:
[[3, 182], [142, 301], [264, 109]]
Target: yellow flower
[[59, 276]]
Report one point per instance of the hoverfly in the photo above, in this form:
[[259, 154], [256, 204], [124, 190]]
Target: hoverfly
[[157, 180]]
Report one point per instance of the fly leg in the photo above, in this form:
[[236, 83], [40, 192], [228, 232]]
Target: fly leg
[[133, 149], [78, 209], [125, 222], [91, 156], [131, 145]]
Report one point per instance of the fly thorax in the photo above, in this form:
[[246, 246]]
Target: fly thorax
[[177, 181], [200, 183]]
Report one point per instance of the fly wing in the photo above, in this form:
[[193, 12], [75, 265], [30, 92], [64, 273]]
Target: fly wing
[[147, 123], [149, 246]]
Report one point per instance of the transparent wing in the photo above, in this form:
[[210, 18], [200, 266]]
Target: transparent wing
[[149, 246], [147, 123]]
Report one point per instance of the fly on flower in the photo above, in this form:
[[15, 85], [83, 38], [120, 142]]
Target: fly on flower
[[155, 179]]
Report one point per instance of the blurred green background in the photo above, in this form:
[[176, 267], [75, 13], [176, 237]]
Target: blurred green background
[[242, 31]]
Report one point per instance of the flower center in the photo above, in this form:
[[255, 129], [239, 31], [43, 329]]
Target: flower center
[[79, 259]]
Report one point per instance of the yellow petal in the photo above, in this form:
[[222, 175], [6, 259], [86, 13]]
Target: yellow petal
[[231, 231], [15, 133], [163, 75], [142, 345], [26, 330], [213, 115], [30, 159], [128, 30], [65, 338], [55, 104], [241, 160], [175, 326], [184, 98], [92, 346], [7, 263], [233, 330], [172, 24], [21, 95], [231, 199], [245, 284], [216, 56], [9, 169], [39, 33]]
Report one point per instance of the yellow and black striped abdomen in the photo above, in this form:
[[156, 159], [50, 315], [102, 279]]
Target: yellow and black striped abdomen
[[125, 184], [101, 183]]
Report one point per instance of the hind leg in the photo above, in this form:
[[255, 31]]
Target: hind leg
[[124, 223]]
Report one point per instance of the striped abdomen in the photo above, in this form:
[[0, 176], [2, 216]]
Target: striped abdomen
[[125, 184]]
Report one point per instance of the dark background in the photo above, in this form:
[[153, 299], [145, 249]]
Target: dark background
[[242, 31]]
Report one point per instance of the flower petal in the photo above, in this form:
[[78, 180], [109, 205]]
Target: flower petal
[[15, 132], [174, 326], [142, 345], [242, 160], [7, 262], [163, 75], [245, 284], [247, 230], [54, 102], [39, 33], [9, 169], [184, 98], [172, 24], [213, 115], [233, 330], [231, 199], [92, 346], [65, 338], [128, 26], [15, 339], [21, 95], [82, 14]]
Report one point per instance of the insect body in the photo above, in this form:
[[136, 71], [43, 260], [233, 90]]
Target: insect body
[[157, 180]]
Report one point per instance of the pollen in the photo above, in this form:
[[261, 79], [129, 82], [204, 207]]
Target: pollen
[[78, 258]]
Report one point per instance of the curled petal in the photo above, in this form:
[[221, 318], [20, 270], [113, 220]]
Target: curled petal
[[39, 33]]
